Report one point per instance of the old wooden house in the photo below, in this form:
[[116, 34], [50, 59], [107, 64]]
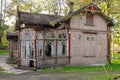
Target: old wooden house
[[80, 38]]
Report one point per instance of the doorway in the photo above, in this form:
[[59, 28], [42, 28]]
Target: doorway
[[28, 53]]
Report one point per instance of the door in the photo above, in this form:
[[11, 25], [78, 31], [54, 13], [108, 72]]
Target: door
[[28, 53]]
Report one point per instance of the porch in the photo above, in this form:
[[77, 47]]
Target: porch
[[48, 48]]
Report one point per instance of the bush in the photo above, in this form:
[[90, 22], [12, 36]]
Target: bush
[[116, 56], [11, 60], [3, 47]]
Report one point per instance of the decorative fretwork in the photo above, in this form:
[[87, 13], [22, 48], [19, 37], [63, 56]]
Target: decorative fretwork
[[62, 35], [50, 35], [40, 36], [27, 35]]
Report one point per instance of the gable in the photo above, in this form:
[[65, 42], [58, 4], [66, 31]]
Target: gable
[[92, 7]]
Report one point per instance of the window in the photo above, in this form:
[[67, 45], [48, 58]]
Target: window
[[89, 19], [48, 48], [90, 38], [40, 45], [62, 48], [23, 50], [27, 35], [15, 46], [27, 50], [62, 44], [50, 44], [31, 47]]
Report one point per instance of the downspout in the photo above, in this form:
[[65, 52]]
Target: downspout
[[69, 44]]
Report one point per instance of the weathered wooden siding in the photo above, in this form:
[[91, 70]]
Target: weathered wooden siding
[[78, 22], [81, 52]]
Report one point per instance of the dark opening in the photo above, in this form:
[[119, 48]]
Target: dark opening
[[63, 49], [31, 63], [48, 50]]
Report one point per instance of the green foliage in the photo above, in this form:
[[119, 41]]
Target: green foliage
[[4, 52], [52, 23], [116, 56], [3, 47], [1, 69]]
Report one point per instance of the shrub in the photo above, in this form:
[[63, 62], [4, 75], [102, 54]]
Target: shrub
[[12, 60], [3, 47]]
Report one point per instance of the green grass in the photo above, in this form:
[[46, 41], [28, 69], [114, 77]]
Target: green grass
[[1, 69], [108, 72], [109, 67], [4, 52]]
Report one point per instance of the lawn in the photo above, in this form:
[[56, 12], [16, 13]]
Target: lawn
[[1, 71], [4, 52], [108, 72]]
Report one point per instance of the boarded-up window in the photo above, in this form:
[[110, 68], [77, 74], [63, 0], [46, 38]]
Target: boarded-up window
[[90, 45], [89, 19]]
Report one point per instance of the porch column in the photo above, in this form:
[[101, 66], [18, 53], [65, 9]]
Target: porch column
[[69, 57], [35, 51], [56, 49], [19, 50], [69, 37]]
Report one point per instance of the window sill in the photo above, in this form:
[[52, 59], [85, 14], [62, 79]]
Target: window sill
[[90, 56], [89, 24], [49, 58], [57, 57]]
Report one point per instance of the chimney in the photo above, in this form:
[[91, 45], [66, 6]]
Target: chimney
[[70, 7]]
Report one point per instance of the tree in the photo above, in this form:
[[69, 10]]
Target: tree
[[3, 26]]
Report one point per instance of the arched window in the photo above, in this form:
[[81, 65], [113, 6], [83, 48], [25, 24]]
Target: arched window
[[50, 35], [27, 35], [40, 45], [40, 36], [50, 46], [62, 43], [62, 36]]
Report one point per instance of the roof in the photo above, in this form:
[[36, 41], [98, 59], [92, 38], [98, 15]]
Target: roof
[[35, 19], [98, 11], [12, 35]]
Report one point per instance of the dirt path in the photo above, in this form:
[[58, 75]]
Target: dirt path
[[8, 68]]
